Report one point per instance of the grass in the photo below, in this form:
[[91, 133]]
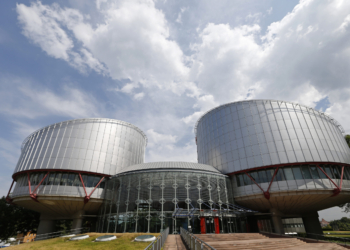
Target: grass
[[124, 241], [336, 232]]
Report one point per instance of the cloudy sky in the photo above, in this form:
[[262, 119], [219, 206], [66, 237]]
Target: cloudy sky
[[161, 64]]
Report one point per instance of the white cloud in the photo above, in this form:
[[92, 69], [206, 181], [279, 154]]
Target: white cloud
[[18, 98], [160, 140], [139, 96], [44, 26]]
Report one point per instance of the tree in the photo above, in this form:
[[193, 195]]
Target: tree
[[346, 206], [343, 224], [347, 139], [14, 218]]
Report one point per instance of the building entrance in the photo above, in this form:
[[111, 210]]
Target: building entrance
[[210, 225]]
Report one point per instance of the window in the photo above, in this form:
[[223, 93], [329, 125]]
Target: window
[[262, 176], [336, 172], [314, 172], [57, 179], [297, 173], [322, 175], [288, 174], [247, 180], [306, 172], [279, 175], [329, 172]]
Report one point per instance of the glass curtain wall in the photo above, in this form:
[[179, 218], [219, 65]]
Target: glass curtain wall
[[286, 173], [146, 202]]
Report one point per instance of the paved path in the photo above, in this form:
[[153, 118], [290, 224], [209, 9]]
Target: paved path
[[174, 242]]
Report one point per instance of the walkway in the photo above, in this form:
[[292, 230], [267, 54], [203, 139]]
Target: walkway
[[257, 241], [174, 242]]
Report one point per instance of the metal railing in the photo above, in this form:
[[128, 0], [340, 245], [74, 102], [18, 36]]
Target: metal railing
[[158, 243], [192, 242]]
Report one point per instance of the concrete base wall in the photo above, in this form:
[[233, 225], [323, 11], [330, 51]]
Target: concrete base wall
[[312, 223], [276, 217], [46, 225]]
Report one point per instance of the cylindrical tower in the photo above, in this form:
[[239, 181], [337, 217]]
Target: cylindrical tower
[[63, 167], [281, 156]]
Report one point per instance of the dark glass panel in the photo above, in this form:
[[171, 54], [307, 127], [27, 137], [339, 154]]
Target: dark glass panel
[[57, 179], [340, 170], [70, 179], [269, 174], [314, 172], [239, 183], [90, 181], [77, 181], [247, 180], [262, 176], [297, 173], [64, 179], [280, 175], [288, 174], [51, 178], [255, 176], [329, 172], [335, 172], [96, 180], [306, 172], [322, 175]]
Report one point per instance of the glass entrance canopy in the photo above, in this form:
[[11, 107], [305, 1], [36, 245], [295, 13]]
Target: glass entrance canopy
[[153, 196]]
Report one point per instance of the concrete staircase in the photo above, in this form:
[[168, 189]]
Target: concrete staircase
[[256, 241]]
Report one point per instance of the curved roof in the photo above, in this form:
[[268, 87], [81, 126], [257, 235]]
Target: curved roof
[[266, 100], [169, 165], [91, 120]]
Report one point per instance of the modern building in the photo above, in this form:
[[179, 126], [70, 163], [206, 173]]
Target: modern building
[[62, 170], [263, 165], [282, 158]]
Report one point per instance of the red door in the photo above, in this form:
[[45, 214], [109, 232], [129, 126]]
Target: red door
[[203, 229], [216, 224]]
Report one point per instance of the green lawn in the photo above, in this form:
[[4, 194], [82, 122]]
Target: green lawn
[[124, 241], [336, 232]]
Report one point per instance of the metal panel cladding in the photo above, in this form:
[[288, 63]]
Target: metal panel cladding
[[257, 133], [102, 146]]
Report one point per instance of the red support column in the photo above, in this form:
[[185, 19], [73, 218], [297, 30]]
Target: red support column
[[203, 227], [216, 224]]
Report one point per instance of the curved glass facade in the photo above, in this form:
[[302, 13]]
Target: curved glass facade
[[59, 183], [289, 173], [257, 133], [102, 146], [147, 201]]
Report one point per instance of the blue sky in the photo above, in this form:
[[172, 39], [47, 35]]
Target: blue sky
[[161, 64]]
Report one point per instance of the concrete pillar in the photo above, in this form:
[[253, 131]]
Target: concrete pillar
[[312, 223], [277, 221], [46, 224], [78, 219]]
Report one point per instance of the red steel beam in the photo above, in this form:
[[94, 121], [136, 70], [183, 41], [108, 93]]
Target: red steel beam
[[341, 179], [33, 195], [81, 179], [87, 198], [8, 199], [30, 189], [337, 190], [254, 181]]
